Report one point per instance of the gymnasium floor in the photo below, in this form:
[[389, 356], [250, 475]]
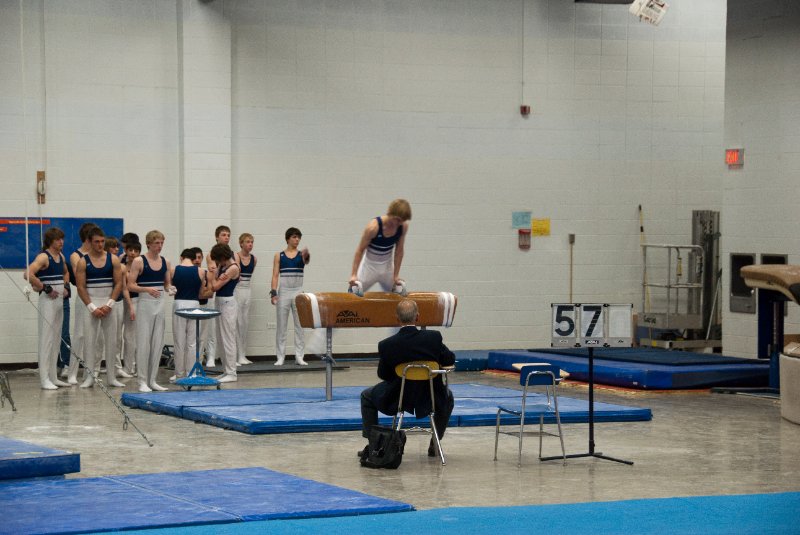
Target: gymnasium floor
[[697, 444]]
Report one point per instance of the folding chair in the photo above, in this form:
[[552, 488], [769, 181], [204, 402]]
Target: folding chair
[[532, 375], [420, 370]]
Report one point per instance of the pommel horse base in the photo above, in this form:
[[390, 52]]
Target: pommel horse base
[[329, 310]]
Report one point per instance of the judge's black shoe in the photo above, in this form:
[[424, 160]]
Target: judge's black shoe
[[363, 453], [432, 449]]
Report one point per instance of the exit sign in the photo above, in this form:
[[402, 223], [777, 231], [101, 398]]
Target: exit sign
[[734, 158]]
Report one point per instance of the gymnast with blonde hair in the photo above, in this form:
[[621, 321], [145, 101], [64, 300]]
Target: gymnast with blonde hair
[[379, 254]]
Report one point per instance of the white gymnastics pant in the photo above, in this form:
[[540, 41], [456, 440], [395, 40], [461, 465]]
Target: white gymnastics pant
[[184, 336], [285, 305], [94, 328], [226, 322], [129, 337], [149, 337], [242, 296], [51, 315], [76, 339], [208, 334], [371, 272]]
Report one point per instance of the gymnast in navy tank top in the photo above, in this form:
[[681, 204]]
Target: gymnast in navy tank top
[[224, 284], [379, 254]]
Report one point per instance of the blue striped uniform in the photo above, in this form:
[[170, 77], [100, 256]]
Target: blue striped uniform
[[246, 272], [381, 247], [99, 281], [53, 274], [227, 290], [291, 271], [150, 278], [187, 280]]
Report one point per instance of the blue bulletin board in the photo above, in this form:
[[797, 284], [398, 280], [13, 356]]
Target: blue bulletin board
[[13, 229]]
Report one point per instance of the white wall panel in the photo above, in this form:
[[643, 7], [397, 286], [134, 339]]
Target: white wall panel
[[761, 100]]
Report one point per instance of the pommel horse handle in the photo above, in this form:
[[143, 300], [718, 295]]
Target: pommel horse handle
[[341, 310]]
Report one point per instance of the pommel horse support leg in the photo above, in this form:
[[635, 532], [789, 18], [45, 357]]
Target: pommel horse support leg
[[329, 310]]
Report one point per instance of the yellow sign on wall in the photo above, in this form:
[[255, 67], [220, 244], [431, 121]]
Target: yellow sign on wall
[[540, 227]]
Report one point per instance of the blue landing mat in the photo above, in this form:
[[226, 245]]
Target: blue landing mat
[[20, 459], [639, 375], [752, 514], [178, 498], [272, 410], [471, 360], [650, 355], [173, 403]]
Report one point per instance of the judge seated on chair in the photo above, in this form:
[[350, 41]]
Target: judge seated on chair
[[409, 344]]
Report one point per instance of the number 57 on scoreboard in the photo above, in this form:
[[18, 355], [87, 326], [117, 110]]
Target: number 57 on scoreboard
[[591, 325]]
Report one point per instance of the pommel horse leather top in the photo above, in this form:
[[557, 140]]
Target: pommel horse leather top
[[777, 277], [375, 309]]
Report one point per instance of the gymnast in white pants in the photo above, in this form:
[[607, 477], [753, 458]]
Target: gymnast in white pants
[[49, 276], [287, 281], [149, 275], [247, 265], [209, 329], [379, 254], [188, 280], [99, 278], [130, 299], [77, 350], [113, 354], [224, 283]]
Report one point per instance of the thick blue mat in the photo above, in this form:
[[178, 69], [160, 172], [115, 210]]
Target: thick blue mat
[[174, 403], [20, 459], [178, 498], [751, 514], [272, 410], [650, 355], [639, 375]]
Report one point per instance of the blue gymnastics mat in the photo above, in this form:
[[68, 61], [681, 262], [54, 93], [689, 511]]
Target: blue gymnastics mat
[[177, 498], [650, 355], [273, 410], [645, 376], [750, 514], [19, 460]]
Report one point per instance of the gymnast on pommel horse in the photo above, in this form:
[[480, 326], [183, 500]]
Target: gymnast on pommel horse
[[327, 310], [379, 254]]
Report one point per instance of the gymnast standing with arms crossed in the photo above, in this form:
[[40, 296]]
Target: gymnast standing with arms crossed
[[223, 282]]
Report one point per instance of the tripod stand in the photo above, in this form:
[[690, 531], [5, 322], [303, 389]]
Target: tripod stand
[[591, 452]]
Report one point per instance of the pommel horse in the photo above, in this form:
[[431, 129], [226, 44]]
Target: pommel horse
[[329, 310], [776, 277], [784, 362]]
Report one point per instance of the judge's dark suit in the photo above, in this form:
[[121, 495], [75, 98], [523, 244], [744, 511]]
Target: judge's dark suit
[[410, 343]]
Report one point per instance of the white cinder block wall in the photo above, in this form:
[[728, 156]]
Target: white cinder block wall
[[337, 108], [762, 115], [99, 85]]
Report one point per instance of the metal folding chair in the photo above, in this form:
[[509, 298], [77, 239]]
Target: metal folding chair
[[420, 370], [533, 375]]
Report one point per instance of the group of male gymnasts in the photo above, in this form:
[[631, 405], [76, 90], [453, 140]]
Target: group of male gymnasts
[[121, 311]]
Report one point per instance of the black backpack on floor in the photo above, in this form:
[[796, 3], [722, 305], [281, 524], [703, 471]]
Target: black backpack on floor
[[385, 448]]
